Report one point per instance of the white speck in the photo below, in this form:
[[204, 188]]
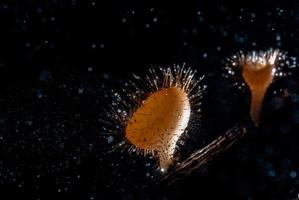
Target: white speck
[[278, 37], [80, 90], [280, 11], [110, 139], [273, 71], [293, 174], [39, 10], [89, 69], [124, 20]]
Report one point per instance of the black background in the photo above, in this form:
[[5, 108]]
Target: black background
[[59, 61]]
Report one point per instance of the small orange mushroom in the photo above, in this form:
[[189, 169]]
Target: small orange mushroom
[[258, 73], [159, 122], [156, 110], [258, 70]]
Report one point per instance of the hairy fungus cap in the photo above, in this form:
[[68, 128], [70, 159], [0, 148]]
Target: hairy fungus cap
[[258, 72], [155, 110], [159, 122]]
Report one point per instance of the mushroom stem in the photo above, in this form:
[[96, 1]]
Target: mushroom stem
[[257, 97], [165, 161]]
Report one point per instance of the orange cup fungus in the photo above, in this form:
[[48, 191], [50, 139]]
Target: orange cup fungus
[[258, 70], [163, 105], [159, 122], [258, 73]]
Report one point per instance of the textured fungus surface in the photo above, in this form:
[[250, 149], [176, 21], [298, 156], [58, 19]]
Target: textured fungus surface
[[159, 122]]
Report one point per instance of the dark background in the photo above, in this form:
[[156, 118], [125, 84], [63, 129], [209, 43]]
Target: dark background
[[60, 61]]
